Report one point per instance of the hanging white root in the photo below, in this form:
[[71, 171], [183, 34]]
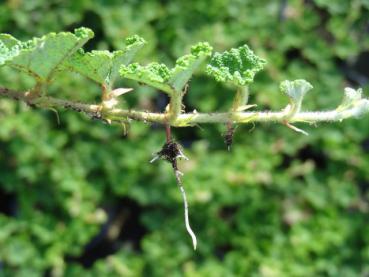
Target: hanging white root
[[187, 221]]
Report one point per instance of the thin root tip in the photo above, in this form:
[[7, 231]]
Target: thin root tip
[[154, 159]]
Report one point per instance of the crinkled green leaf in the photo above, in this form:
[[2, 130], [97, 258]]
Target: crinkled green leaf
[[186, 65], [296, 89], [165, 79], [8, 40], [41, 57], [7, 49], [5, 54], [103, 66], [95, 65], [237, 66], [154, 74]]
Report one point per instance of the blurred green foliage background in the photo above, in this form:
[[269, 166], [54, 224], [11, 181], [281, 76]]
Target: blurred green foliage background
[[81, 199]]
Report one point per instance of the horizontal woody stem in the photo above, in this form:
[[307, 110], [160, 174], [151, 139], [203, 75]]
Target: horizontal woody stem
[[182, 120]]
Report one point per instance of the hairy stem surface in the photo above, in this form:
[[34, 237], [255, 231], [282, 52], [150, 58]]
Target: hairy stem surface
[[181, 120]]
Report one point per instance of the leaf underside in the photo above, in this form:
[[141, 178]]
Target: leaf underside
[[103, 66], [41, 57], [296, 89]]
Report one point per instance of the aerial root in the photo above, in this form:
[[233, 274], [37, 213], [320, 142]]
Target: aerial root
[[170, 152], [185, 204]]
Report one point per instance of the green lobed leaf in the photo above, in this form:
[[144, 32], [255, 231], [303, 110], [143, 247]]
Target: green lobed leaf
[[8, 40], [186, 65], [41, 57], [103, 66], [237, 66], [5, 54], [296, 89], [154, 74], [7, 49], [165, 79]]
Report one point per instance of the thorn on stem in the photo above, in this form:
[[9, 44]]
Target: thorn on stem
[[125, 126], [56, 114], [252, 128]]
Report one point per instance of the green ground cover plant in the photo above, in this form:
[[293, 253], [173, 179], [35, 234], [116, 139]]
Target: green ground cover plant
[[42, 58]]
